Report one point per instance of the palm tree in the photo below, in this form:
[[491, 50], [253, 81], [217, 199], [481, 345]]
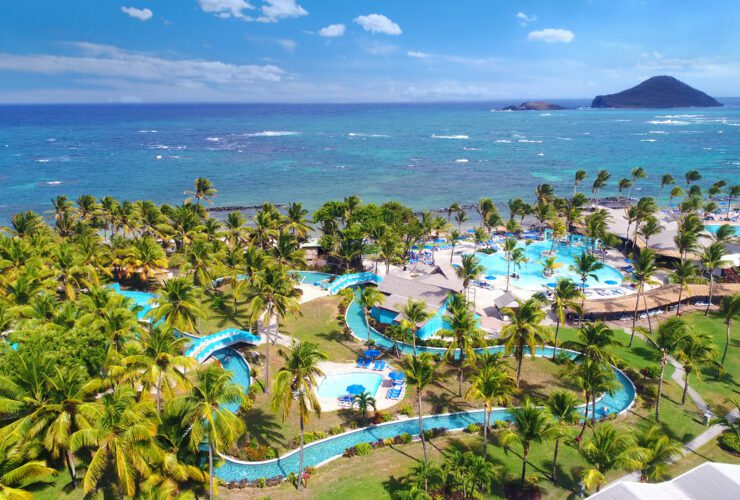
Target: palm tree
[[18, 473], [147, 258], [644, 270], [368, 298], [297, 382], [665, 180], [602, 177], [295, 221], [667, 340], [624, 184], [270, 294], [508, 248], [586, 265], [676, 192], [203, 191], [592, 377], [578, 178], [469, 270], [650, 228], [364, 401], [563, 406], [696, 350], [732, 193], [454, 236], [565, 296], [658, 451], [531, 425], [684, 273], [607, 450], [461, 217], [637, 173], [159, 363], [415, 313], [594, 341], [420, 372], [178, 305], [691, 176], [204, 411], [121, 440], [463, 328], [524, 331], [730, 309], [494, 386], [712, 259]]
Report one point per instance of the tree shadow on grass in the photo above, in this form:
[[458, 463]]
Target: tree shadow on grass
[[263, 428], [444, 403]]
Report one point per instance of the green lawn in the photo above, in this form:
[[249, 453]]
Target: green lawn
[[710, 452]]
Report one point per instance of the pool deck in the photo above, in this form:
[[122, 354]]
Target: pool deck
[[331, 368], [311, 292]]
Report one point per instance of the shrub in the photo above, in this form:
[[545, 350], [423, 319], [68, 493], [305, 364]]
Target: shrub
[[407, 410], [562, 358], [337, 429], [388, 441], [434, 432], [246, 405], [261, 482], [350, 452], [632, 374], [650, 393], [406, 438], [533, 479], [473, 428], [255, 453], [730, 441], [651, 371], [500, 424], [363, 449]]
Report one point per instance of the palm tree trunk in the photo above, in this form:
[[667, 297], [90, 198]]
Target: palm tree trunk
[[650, 321], [367, 324], [685, 385], [585, 416], [508, 273], [71, 467], [519, 358], [554, 475], [452, 253], [555, 348], [525, 456], [634, 317], [486, 416], [300, 457], [680, 295], [421, 427], [583, 304], [413, 339], [210, 470], [460, 375], [727, 341], [266, 388], [660, 387], [711, 289], [593, 410]]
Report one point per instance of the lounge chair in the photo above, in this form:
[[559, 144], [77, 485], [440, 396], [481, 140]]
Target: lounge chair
[[360, 362], [394, 394], [379, 365], [366, 363]]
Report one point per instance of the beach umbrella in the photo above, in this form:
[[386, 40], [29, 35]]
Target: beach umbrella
[[397, 376], [490, 277], [585, 285], [611, 282], [355, 389], [552, 285], [372, 353]]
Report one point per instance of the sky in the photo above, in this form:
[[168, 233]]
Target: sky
[[359, 50]]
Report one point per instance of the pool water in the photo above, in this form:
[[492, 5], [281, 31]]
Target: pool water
[[713, 228], [141, 299], [334, 386], [311, 277], [530, 273], [231, 361]]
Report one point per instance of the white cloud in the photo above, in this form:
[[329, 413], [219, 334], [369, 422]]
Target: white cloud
[[551, 35], [378, 23], [105, 61], [227, 8], [274, 10], [287, 44], [525, 19], [140, 14], [418, 55], [332, 30]]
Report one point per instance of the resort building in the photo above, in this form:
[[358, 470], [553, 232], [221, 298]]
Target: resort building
[[432, 288]]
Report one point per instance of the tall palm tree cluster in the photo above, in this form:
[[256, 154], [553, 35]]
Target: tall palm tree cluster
[[84, 381]]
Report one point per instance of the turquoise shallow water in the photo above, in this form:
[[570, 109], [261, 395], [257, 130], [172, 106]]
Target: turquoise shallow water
[[311, 153], [334, 386]]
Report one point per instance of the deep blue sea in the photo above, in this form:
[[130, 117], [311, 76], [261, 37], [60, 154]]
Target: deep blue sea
[[426, 155]]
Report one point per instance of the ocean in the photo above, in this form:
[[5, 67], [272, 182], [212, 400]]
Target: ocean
[[425, 155]]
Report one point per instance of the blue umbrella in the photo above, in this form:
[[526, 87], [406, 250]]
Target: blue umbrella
[[584, 285], [397, 376], [628, 261], [355, 389], [552, 285], [490, 277], [372, 353], [611, 282]]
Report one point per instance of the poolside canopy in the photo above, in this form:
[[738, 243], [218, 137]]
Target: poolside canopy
[[372, 353], [355, 389], [397, 376]]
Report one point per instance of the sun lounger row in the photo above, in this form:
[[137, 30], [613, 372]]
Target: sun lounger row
[[395, 393], [366, 362]]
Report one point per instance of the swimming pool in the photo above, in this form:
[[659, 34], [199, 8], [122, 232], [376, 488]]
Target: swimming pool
[[311, 277], [141, 299], [231, 360], [530, 273], [334, 386]]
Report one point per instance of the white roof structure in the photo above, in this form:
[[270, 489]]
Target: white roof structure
[[715, 481]]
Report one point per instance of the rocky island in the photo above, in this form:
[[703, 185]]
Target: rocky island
[[657, 92], [533, 106]]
